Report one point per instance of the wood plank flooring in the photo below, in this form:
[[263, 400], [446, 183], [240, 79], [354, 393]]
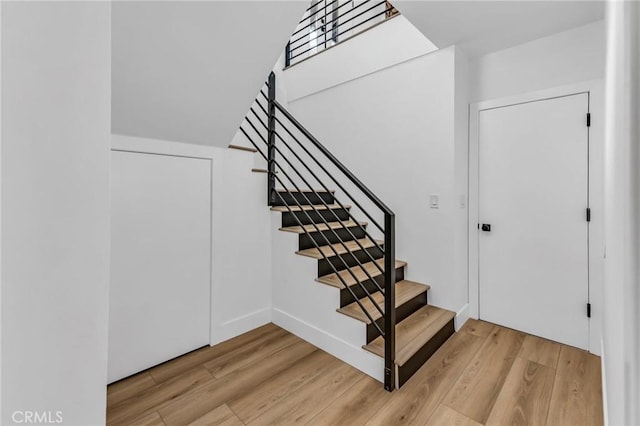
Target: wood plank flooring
[[483, 375]]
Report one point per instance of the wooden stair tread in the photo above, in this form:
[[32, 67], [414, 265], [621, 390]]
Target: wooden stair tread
[[333, 280], [321, 227], [405, 291], [243, 148], [340, 248], [413, 332], [284, 209]]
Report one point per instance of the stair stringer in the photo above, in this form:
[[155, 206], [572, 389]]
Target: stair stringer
[[307, 308]]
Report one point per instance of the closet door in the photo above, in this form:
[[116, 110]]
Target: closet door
[[533, 230], [160, 259]]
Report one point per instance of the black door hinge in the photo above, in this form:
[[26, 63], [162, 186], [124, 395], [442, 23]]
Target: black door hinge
[[588, 310], [588, 119], [588, 214]]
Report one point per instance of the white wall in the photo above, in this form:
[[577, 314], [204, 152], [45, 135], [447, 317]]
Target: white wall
[[188, 71], [573, 58], [1, 215], [55, 208], [622, 158], [461, 179], [241, 230], [380, 47], [556, 60], [395, 130], [403, 129], [307, 308]]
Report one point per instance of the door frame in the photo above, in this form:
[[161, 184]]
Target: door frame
[[595, 90], [138, 145]]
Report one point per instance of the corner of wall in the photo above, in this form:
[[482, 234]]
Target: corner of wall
[[461, 172], [1, 6]]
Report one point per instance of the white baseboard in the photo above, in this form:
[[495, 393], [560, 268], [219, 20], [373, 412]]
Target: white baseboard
[[240, 325], [352, 355], [461, 317]]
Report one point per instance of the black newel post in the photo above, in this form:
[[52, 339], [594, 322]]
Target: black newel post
[[389, 302], [271, 151]]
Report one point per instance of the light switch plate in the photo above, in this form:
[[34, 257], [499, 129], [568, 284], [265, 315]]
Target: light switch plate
[[434, 201]]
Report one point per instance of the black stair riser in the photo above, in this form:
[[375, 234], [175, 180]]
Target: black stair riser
[[361, 257], [419, 358], [303, 198], [345, 295], [309, 216], [402, 312], [323, 238]]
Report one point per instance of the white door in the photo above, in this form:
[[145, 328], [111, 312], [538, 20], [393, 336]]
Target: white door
[[533, 192], [159, 304]]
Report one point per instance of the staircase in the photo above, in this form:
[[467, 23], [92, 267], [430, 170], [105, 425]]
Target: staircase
[[356, 259]]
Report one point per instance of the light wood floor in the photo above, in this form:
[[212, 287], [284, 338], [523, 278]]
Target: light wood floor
[[484, 374]]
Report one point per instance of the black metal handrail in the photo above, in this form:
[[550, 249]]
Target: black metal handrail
[[344, 226], [325, 188], [321, 23], [284, 170]]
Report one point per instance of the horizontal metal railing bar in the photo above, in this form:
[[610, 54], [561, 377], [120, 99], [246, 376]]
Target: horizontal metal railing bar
[[343, 226], [338, 35], [364, 310], [311, 22], [318, 230], [376, 245], [339, 185], [375, 222], [258, 117], [265, 96], [316, 12], [313, 5], [325, 31], [341, 33], [361, 186], [328, 22], [341, 24], [332, 211], [315, 244], [343, 39], [262, 108], [307, 183]]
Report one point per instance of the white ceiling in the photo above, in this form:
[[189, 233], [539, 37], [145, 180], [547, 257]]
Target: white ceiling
[[480, 27], [188, 71]]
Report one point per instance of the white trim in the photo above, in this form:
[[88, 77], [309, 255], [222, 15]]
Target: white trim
[[240, 325], [161, 147], [461, 317], [595, 89], [554, 92], [355, 356], [1, 213], [178, 149]]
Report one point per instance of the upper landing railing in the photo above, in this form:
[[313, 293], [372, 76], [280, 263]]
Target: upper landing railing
[[329, 22]]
